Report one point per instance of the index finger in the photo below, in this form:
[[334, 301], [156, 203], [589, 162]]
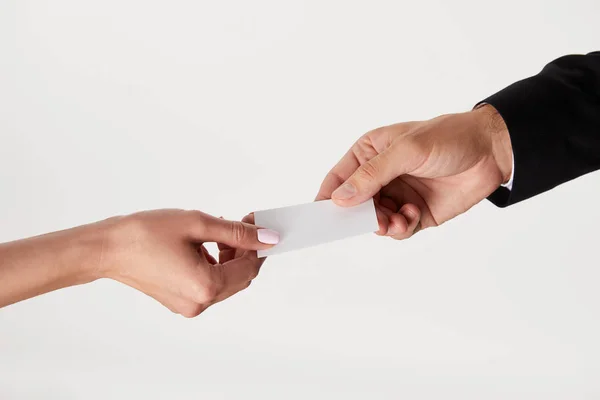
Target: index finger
[[226, 252], [338, 175]]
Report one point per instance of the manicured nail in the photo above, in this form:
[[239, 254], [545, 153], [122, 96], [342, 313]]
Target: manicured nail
[[268, 236], [346, 191]]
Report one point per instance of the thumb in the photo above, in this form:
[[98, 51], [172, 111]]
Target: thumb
[[236, 234], [369, 178]]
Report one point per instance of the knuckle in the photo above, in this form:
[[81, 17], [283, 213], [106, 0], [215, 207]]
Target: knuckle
[[332, 176], [206, 292], [253, 272], [191, 311], [196, 214], [211, 290], [368, 172], [382, 130], [383, 135], [364, 148], [197, 220], [238, 231]]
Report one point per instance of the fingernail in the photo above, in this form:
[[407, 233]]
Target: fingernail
[[392, 230], [268, 236], [344, 192]]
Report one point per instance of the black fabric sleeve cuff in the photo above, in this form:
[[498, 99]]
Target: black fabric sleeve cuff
[[553, 120]]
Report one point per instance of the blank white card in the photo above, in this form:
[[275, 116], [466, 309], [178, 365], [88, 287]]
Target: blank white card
[[315, 223]]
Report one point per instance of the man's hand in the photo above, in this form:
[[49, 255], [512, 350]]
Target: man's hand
[[422, 174], [160, 253]]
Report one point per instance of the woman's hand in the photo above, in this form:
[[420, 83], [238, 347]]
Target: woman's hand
[[424, 173], [160, 253]]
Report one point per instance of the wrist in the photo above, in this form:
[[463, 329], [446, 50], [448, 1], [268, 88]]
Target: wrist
[[89, 250], [110, 234], [495, 129], [84, 248]]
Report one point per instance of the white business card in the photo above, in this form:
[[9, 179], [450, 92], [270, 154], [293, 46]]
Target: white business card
[[311, 224]]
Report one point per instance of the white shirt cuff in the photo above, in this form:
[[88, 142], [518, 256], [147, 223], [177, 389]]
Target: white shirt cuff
[[509, 184]]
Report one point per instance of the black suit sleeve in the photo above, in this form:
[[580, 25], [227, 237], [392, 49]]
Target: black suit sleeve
[[553, 119]]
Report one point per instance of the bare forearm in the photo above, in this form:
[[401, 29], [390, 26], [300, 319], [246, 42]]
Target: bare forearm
[[41, 264]]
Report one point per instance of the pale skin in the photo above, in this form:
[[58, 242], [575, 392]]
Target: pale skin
[[159, 253], [421, 174]]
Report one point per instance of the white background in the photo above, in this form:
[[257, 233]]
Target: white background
[[113, 106]]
